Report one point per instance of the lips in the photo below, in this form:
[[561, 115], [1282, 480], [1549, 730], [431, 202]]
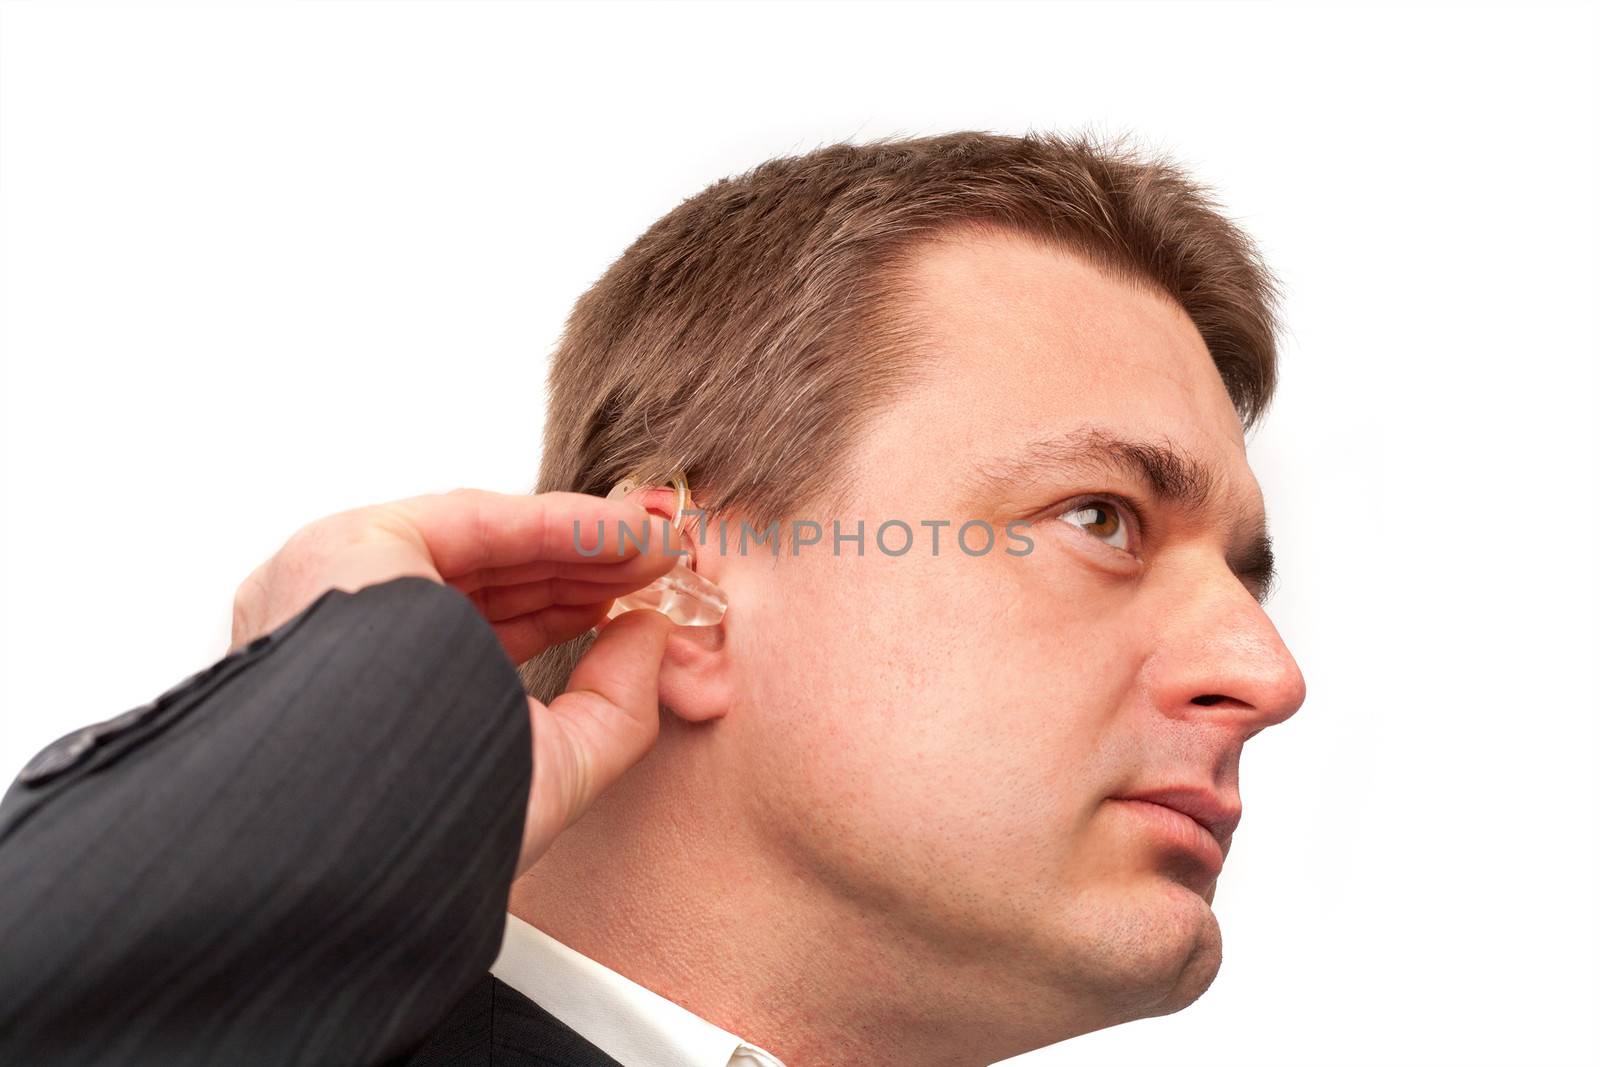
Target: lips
[[1217, 815]]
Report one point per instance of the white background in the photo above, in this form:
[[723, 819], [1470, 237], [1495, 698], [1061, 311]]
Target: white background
[[264, 263]]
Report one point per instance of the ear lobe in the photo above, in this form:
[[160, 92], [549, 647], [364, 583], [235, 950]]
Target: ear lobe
[[696, 679]]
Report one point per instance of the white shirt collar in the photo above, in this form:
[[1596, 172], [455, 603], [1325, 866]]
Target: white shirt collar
[[626, 1021]]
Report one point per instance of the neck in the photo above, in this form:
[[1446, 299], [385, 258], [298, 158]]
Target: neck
[[664, 882]]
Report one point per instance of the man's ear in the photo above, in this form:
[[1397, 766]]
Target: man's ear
[[696, 677]]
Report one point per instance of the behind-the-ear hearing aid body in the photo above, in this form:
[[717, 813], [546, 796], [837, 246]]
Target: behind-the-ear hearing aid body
[[680, 594]]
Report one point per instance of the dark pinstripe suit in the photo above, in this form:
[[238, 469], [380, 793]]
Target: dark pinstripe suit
[[299, 855]]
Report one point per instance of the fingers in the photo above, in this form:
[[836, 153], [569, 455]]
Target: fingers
[[603, 724], [542, 569], [471, 531], [610, 710], [499, 603], [639, 569], [622, 664], [525, 636]]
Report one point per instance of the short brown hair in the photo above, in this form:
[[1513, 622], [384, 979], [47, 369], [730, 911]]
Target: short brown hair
[[747, 335]]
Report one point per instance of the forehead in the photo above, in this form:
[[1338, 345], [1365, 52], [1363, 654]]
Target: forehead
[[1022, 340]]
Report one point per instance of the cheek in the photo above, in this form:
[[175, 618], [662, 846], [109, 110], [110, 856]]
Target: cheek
[[917, 716]]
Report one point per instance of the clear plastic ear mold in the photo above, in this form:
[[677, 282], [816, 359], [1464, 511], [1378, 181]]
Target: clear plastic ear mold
[[680, 594]]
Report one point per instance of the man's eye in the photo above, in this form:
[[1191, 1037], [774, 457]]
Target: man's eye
[[1101, 519]]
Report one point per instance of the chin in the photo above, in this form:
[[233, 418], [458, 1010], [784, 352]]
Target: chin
[[1197, 971], [1154, 949]]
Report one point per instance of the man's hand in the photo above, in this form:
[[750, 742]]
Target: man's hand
[[516, 558]]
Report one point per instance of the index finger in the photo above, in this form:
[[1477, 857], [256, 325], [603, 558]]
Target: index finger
[[468, 530]]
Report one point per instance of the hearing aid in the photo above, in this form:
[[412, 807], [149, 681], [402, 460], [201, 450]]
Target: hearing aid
[[680, 594]]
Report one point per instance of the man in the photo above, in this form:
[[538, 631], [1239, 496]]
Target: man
[[923, 796]]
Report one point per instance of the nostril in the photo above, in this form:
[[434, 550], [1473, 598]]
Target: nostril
[[1209, 699]]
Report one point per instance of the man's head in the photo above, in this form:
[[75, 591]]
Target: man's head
[[944, 744]]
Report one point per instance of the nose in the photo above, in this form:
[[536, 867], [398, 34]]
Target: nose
[[1220, 659]]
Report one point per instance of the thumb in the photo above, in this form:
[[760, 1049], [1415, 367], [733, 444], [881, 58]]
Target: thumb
[[603, 724]]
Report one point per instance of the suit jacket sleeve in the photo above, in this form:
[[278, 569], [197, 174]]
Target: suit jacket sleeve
[[299, 855]]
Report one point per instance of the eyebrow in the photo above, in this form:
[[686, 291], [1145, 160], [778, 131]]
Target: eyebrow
[[1171, 476]]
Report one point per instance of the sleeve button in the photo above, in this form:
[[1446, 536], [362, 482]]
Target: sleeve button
[[59, 756]]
